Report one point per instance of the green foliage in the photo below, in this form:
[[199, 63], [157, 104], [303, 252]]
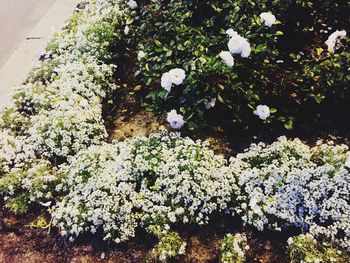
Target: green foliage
[[191, 34], [305, 248], [169, 246], [233, 248]]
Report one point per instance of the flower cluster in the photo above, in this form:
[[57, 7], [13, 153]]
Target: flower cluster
[[289, 183], [233, 248], [158, 180], [170, 246], [58, 111]]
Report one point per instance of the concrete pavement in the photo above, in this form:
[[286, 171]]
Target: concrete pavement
[[17, 18], [25, 28]]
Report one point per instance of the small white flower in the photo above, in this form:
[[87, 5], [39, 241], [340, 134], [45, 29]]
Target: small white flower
[[166, 81], [103, 255], [178, 75], [347, 162], [175, 120], [333, 39], [268, 18], [141, 54], [132, 4], [210, 103], [262, 111], [126, 30], [227, 58], [239, 45]]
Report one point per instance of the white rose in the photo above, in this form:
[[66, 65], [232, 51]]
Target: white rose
[[231, 33], [268, 18], [333, 39], [262, 111], [175, 120], [166, 81], [177, 75], [239, 45], [227, 58]]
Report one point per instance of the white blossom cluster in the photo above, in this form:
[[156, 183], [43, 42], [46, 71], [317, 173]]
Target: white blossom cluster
[[289, 183], [58, 112], [233, 248], [158, 180], [169, 246]]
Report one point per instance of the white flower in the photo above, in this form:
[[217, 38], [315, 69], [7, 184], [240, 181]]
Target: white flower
[[166, 81], [178, 75], [347, 162], [333, 39], [141, 54], [239, 45], [268, 18], [262, 111], [132, 4], [231, 32], [227, 58], [210, 103], [175, 120], [126, 30]]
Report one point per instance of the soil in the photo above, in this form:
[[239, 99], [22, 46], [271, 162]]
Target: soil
[[21, 243]]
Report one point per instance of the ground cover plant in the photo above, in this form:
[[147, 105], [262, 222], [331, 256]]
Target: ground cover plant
[[189, 61]]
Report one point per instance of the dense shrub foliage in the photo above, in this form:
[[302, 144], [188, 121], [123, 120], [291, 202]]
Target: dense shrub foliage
[[167, 179], [285, 63], [305, 248]]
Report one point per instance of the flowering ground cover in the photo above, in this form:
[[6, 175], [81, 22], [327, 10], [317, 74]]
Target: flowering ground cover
[[228, 73]]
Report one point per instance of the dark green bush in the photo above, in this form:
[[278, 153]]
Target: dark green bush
[[289, 68]]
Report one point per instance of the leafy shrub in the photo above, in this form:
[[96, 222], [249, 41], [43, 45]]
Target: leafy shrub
[[233, 248], [157, 181], [191, 34], [58, 111], [305, 248], [61, 133], [170, 246], [25, 186]]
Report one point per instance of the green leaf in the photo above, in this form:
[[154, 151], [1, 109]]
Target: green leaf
[[279, 33], [129, 21], [158, 43], [273, 110], [220, 99]]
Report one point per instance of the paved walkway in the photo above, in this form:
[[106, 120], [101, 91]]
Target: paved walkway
[[25, 28], [17, 19]]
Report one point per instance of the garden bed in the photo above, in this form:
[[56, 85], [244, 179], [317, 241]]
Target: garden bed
[[125, 71]]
